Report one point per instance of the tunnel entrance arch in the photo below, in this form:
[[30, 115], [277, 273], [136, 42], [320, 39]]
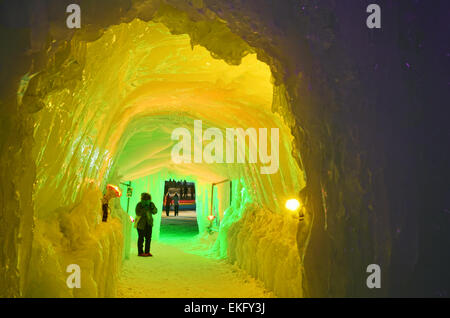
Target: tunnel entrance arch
[[96, 149]]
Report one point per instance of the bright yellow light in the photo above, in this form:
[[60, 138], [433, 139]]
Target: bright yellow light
[[292, 204], [115, 189], [211, 217]]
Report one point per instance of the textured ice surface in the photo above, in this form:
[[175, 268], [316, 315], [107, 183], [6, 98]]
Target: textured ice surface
[[76, 235], [108, 109], [120, 97], [357, 113]]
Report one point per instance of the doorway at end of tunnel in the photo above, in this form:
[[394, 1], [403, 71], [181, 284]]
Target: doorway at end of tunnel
[[178, 217]]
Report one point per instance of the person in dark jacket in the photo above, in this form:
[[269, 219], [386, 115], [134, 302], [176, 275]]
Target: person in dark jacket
[[168, 201], [176, 203], [144, 223]]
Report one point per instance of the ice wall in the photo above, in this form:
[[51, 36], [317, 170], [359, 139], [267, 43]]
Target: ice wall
[[261, 240], [76, 235]]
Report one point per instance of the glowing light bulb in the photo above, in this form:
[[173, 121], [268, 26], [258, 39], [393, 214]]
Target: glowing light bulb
[[292, 204]]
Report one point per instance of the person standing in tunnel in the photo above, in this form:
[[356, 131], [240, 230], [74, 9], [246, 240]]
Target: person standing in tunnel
[[144, 223], [168, 200], [176, 203]]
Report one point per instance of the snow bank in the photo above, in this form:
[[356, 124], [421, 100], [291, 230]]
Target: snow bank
[[262, 242], [76, 236]]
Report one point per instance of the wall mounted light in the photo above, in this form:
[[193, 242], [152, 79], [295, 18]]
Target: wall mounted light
[[292, 205], [112, 191]]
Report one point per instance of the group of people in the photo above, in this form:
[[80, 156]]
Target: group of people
[[168, 200], [184, 187]]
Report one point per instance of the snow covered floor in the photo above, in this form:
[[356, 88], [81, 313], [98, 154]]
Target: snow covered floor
[[175, 272]]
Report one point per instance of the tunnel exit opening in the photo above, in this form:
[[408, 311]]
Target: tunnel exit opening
[[179, 218]]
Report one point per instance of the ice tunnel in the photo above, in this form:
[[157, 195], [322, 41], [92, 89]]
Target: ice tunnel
[[113, 102], [113, 119]]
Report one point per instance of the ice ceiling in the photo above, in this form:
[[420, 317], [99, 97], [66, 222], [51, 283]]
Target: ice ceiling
[[168, 84]]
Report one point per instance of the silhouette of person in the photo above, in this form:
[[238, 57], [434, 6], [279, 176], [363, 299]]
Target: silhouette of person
[[176, 204], [144, 223], [168, 201]]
